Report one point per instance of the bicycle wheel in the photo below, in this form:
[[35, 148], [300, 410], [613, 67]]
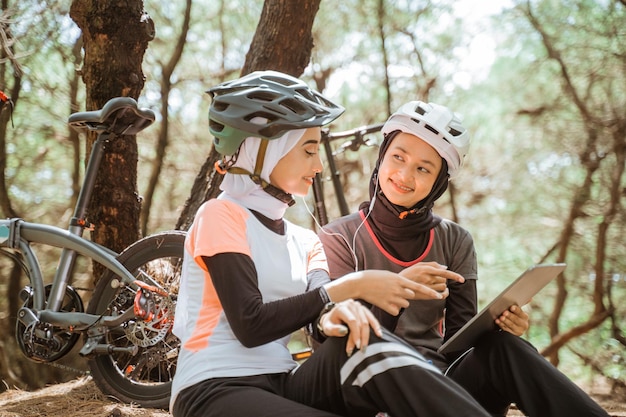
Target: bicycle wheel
[[143, 377]]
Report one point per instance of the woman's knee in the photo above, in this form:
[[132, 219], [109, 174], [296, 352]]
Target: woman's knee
[[504, 343]]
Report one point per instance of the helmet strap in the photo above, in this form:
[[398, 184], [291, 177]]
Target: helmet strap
[[256, 177], [278, 193], [260, 158]]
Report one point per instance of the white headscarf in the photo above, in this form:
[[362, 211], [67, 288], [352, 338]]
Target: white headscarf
[[241, 189]]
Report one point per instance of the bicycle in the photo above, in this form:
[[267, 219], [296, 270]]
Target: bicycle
[[360, 138], [126, 327]]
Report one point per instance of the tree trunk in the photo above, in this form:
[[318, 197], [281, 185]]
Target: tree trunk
[[283, 42], [115, 37]]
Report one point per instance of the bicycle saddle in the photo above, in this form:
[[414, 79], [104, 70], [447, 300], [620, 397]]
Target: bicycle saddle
[[120, 115]]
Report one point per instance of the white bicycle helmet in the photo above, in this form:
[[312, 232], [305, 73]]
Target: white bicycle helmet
[[435, 124]]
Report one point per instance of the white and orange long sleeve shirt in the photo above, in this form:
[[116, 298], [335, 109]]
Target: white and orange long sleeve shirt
[[244, 290]]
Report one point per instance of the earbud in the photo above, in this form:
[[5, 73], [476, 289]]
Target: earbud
[[375, 178]]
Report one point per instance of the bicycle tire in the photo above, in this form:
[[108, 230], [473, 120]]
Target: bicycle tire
[[143, 378]]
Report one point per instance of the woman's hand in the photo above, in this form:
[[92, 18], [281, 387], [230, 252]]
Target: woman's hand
[[432, 275], [387, 290], [350, 318], [514, 320]]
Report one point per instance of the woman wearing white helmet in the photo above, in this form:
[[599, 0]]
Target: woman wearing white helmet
[[251, 278], [424, 146]]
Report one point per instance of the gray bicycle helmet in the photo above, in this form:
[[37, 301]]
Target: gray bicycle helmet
[[435, 124], [264, 104]]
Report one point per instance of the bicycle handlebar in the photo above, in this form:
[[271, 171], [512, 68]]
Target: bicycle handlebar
[[358, 133]]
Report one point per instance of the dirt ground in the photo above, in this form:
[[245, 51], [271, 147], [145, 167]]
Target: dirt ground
[[81, 398]]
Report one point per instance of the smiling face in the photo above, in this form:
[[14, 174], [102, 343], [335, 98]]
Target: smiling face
[[408, 170], [295, 171]]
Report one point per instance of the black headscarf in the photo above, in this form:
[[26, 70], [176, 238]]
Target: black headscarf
[[403, 232]]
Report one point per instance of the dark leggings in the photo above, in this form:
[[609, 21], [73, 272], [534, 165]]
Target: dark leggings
[[504, 369], [388, 376]]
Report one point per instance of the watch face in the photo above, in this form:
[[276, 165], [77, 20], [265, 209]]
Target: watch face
[[329, 306]]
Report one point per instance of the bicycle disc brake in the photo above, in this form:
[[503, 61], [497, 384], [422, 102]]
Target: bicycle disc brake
[[154, 310]]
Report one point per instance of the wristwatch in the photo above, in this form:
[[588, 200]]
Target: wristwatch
[[327, 307]]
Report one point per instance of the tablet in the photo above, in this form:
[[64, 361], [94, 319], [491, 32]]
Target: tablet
[[518, 292]]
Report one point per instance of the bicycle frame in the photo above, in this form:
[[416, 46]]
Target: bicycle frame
[[358, 134], [77, 226], [18, 234]]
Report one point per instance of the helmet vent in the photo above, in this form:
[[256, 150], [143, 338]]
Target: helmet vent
[[278, 80], [220, 106], [420, 110], [432, 129], [267, 96], [307, 95], [454, 132], [217, 127], [294, 106], [264, 115]]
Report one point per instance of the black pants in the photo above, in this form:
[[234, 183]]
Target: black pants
[[388, 376], [504, 369]]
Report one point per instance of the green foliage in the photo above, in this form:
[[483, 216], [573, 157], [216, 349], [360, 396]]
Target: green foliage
[[532, 159], [38, 139]]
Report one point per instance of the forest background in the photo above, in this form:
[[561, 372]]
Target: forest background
[[541, 85]]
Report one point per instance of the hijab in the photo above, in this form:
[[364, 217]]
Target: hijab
[[403, 232], [242, 190]]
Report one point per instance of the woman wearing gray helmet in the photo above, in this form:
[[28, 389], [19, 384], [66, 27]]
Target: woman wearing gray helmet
[[424, 146], [251, 278]]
